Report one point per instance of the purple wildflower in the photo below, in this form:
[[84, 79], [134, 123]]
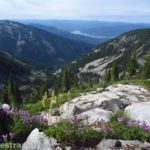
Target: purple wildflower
[[11, 135], [108, 130], [121, 120], [5, 137], [102, 121], [147, 128], [73, 119]]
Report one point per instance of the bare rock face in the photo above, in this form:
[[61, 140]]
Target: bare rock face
[[118, 145], [139, 112], [101, 104], [38, 141]]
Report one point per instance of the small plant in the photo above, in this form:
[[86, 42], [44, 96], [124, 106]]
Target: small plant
[[68, 133]]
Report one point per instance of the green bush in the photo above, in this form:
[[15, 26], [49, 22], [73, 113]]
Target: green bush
[[121, 130], [69, 134]]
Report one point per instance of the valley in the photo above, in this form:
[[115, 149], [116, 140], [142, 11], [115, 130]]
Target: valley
[[82, 90]]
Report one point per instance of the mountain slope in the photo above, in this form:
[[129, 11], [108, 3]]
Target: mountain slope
[[18, 70], [37, 46], [66, 34], [120, 49]]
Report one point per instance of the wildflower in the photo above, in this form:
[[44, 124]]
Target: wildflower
[[121, 120], [147, 128], [11, 135], [102, 121], [108, 130], [129, 123], [73, 119], [5, 137]]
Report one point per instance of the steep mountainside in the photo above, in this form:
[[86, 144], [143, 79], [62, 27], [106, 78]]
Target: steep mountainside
[[120, 49], [66, 34], [18, 70], [37, 46]]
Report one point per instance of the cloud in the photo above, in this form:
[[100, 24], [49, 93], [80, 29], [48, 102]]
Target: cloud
[[78, 9]]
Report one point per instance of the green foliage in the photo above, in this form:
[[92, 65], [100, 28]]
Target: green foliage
[[3, 96], [146, 68], [108, 75], [35, 108], [68, 133], [115, 72], [11, 97], [132, 65], [140, 82], [14, 97], [43, 88], [124, 132], [69, 80]]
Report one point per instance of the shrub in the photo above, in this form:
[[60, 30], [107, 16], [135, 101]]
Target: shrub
[[68, 133], [124, 129]]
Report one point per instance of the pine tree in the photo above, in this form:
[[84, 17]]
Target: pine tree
[[3, 96], [147, 68], [55, 87], [108, 75], [11, 98], [132, 65], [66, 80], [114, 72], [17, 96], [43, 88]]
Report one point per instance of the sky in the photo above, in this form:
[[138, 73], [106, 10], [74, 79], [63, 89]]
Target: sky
[[104, 10]]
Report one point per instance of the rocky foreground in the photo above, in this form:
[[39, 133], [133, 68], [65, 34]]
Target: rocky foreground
[[100, 105]]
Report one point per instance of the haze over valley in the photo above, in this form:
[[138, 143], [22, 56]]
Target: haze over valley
[[74, 75]]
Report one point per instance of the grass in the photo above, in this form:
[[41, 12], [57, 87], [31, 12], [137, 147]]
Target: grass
[[139, 82], [61, 98]]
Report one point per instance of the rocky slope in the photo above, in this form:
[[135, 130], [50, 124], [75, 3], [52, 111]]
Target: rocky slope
[[96, 107], [119, 49], [37, 46], [101, 104]]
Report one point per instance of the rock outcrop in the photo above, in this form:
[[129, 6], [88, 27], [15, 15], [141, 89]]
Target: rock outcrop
[[122, 145], [139, 112], [38, 141], [100, 104]]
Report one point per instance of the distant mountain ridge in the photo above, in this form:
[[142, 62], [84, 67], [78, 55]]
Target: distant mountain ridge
[[69, 35], [37, 46]]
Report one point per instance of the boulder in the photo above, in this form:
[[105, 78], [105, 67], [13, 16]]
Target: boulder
[[118, 144], [139, 112], [114, 105], [38, 141], [93, 116], [70, 111]]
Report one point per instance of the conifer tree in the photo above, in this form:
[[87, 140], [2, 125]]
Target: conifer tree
[[108, 75], [43, 88], [132, 65], [147, 68], [66, 81], [56, 88], [114, 72], [3, 96], [11, 98], [17, 96]]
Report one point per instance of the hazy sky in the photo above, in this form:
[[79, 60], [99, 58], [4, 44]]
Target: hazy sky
[[121, 10]]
